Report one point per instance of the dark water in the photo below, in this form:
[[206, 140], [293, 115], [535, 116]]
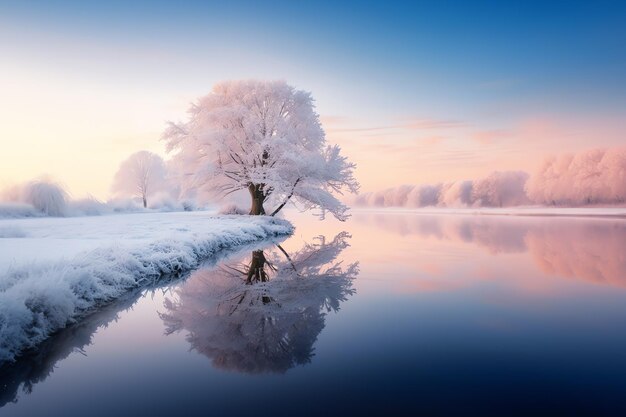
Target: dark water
[[388, 314]]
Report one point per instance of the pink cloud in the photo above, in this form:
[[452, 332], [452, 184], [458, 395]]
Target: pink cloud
[[342, 124], [430, 140], [487, 137]]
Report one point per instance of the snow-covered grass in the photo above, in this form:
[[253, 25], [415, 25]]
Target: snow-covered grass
[[10, 210], [232, 209], [93, 207], [42, 198], [53, 271]]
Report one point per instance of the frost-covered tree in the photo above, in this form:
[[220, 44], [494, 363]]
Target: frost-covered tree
[[594, 176], [500, 189], [141, 175], [263, 136]]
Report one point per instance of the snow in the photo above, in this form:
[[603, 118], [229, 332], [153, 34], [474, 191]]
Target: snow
[[53, 271], [17, 210]]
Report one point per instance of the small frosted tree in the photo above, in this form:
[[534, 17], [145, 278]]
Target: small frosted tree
[[44, 195], [263, 136], [141, 175]]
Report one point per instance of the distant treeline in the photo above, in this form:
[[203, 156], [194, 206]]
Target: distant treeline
[[596, 176]]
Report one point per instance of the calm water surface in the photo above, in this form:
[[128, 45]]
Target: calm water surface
[[389, 313]]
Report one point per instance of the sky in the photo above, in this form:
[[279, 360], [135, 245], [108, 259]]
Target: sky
[[413, 92]]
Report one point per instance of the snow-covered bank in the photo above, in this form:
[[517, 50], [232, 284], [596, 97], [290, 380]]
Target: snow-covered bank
[[508, 211], [55, 270], [93, 207]]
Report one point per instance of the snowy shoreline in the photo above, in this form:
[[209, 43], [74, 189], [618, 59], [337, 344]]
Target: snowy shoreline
[[76, 265]]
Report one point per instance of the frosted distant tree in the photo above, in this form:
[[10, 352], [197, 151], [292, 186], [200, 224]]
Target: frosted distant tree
[[263, 136], [501, 189], [457, 193], [141, 175], [594, 176]]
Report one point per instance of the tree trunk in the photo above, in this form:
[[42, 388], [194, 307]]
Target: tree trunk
[[258, 197], [256, 270], [145, 203]]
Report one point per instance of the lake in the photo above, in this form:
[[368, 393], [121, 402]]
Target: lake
[[390, 313]]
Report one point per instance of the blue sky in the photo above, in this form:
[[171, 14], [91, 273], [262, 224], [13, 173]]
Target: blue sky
[[488, 66]]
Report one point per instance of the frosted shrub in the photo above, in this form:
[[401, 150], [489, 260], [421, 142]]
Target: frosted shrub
[[46, 197]]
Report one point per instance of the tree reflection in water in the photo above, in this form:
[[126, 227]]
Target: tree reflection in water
[[288, 297], [263, 314]]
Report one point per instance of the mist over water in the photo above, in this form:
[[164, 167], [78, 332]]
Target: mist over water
[[389, 312]]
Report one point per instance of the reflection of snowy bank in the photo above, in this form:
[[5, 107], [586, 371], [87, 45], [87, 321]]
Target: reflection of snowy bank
[[37, 365], [38, 297], [263, 314]]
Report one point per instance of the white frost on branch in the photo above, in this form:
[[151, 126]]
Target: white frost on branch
[[263, 136]]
